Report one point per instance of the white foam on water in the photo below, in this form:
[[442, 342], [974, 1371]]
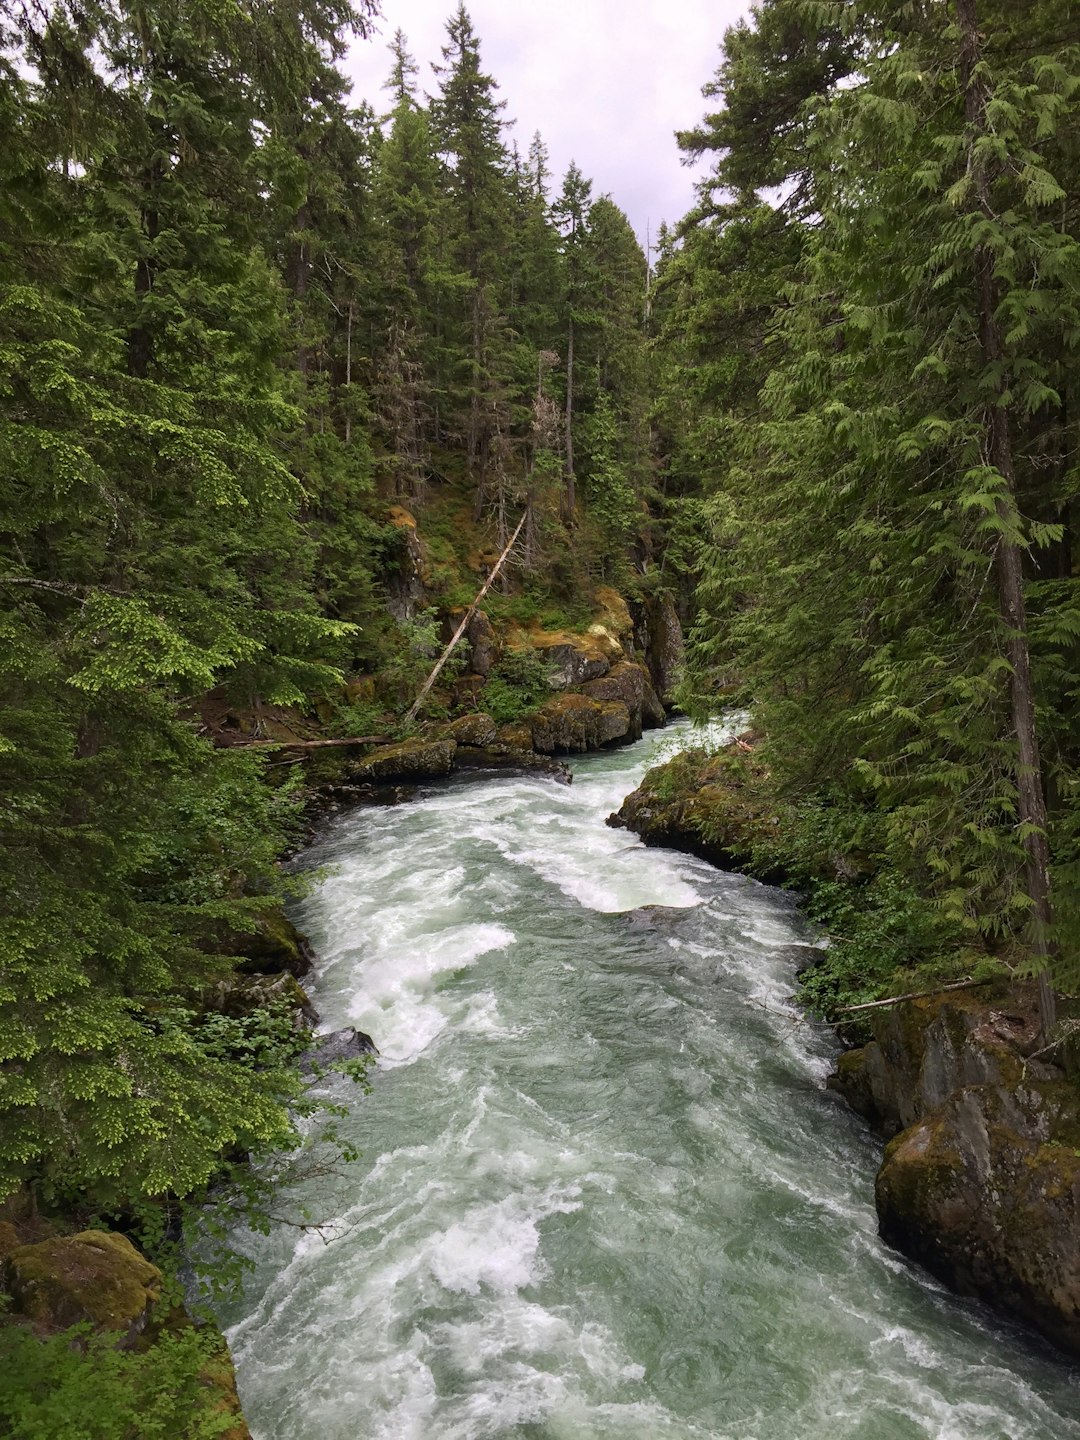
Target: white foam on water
[[498, 1245], [601, 1196]]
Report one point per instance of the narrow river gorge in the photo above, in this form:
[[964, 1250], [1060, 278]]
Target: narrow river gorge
[[603, 1191]]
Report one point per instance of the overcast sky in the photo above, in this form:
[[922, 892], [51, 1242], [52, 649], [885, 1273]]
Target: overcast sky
[[606, 82]]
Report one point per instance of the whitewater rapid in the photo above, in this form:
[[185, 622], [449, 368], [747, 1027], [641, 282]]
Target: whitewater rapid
[[603, 1191]]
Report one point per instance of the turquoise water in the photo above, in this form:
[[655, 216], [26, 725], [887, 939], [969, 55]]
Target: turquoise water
[[604, 1191]]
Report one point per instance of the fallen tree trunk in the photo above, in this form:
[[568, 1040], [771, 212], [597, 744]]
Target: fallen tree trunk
[[469, 613], [912, 995], [310, 744]]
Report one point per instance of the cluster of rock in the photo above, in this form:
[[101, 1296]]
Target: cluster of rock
[[604, 695], [980, 1181]]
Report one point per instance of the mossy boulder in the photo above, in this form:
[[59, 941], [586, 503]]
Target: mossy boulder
[[573, 724], [93, 1276], [628, 683], [980, 1193], [272, 944], [218, 1375], [715, 805], [477, 729], [512, 739], [413, 760], [238, 995], [923, 1050], [575, 659]]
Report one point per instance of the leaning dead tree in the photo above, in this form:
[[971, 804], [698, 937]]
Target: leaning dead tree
[[469, 613]]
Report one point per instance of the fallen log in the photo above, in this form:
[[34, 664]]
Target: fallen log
[[310, 744], [912, 995]]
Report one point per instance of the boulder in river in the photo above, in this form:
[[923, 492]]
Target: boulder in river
[[710, 804], [981, 1182], [412, 760], [338, 1045], [239, 994], [574, 723]]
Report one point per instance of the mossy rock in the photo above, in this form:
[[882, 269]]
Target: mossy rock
[[628, 683], [716, 805], [218, 1376], [238, 995], [93, 1276], [512, 739], [574, 723], [478, 730], [412, 760], [271, 945]]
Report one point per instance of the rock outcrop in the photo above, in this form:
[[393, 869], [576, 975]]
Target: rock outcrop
[[238, 995], [337, 1046], [707, 804], [664, 646], [981, 1180], [628, 683], [270, 945], [573, 724]]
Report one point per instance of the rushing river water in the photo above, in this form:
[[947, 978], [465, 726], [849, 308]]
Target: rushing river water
[[603, 1192]]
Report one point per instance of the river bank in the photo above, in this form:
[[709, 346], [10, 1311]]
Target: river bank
[[980, 1180]]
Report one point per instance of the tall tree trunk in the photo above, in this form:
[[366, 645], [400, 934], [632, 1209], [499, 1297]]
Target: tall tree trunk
[[140, 340], [348, 374], [298, 279], [571, 495], [1009, 559]]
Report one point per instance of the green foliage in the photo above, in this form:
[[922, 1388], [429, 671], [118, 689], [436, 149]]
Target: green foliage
[[842, 406], [518, 683], [79, 1386]]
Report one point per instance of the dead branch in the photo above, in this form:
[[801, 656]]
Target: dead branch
[[913, 995]]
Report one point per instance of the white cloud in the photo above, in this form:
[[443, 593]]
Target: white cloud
[[606, 82]]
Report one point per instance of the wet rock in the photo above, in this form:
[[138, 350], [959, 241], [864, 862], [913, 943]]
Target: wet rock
[[924, 1050], [514, 762], [271, 945], [711, 805], [338, 796], [94, 1276], [628, 683], [979, 1193], [412, 760], [574, 723], [339, 1045], [981, 1182]]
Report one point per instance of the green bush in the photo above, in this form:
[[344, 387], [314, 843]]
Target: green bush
[[79, 1386], [518, 683]]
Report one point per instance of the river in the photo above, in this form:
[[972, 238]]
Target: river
[[603, 1192]]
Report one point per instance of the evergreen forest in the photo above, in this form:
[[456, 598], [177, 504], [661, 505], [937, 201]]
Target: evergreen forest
[[284, 369]]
